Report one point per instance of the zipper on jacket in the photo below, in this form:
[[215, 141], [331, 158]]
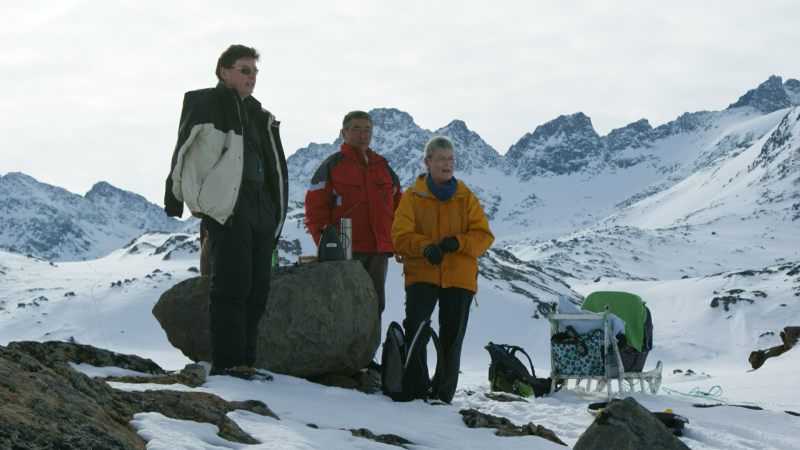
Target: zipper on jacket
[[229, 222]]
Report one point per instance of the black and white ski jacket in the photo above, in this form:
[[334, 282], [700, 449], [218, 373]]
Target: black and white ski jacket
[[208, 160]]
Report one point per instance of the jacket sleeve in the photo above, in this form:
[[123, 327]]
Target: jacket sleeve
[[478, 237], [406, 240], [193, 113], [319, 201]]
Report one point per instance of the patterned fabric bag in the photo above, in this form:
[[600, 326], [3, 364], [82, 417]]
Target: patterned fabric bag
[[578, 354]]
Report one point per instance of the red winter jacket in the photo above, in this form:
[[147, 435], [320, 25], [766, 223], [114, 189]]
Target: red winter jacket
[[343, 186]]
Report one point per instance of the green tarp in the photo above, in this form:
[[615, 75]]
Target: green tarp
[[628, 307]]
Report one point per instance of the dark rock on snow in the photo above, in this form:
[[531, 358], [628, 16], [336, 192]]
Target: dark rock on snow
[[476, 419], [321, 318], [789, 336], [45, 403], [627, 425], [504, 398], [391, 439], [368, 382], [193, 375], [55, 351]]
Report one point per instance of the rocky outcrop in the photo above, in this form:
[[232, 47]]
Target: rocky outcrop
[[627, 425], [52, 352], [789, 336], [321, 318], [476, 419], [45, 403]]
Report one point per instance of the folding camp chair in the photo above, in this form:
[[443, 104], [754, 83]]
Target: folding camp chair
[[593, 366]]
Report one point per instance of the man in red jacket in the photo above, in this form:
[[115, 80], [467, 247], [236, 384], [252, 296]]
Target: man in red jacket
[[357, 183]]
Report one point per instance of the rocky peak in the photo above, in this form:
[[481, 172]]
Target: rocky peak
[[456, 128], [391, 118], [771, 96], [792, 87], [559, 147], [472, 152], [631, 135]]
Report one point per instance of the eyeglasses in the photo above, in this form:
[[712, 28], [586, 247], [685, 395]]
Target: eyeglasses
[[360, 131], [445, 160], [245, 70]]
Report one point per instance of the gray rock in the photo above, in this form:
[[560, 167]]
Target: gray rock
[[197, 370], [627, 425], [320, 318]]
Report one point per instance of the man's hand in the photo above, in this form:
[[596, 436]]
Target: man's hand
[[434, 254], [449, 244], [399, 258]]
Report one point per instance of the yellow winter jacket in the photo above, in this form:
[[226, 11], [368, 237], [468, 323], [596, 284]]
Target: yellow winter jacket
[[422, 219]]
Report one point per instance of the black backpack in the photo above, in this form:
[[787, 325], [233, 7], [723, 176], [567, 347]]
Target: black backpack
[[508, 374], [404, 376], [330, 246]]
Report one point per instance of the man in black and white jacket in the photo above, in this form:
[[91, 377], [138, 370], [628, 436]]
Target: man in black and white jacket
[[229, 168]]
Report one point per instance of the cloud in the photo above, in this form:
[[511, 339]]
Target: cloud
[[92, 89]]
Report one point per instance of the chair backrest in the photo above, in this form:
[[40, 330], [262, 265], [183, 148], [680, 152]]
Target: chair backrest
[[628, 307]]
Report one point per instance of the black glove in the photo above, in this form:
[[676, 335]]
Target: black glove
[[434, 254], [449, 244]]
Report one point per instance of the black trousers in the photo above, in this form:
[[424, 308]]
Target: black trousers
[[241, 258], [454, 303], [376, 265]]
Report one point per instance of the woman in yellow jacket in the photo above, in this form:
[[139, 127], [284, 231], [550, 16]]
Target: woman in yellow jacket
[[440, 229]]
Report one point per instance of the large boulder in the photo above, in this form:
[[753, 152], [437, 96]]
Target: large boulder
[[627, 425], [321, 318]]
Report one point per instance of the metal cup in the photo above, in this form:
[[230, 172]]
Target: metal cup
[[346, 236]]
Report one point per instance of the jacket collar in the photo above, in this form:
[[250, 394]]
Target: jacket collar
[[421, 188], [355, 154], [229, 94]]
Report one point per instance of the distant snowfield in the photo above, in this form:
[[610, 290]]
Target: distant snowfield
[[689, 334]]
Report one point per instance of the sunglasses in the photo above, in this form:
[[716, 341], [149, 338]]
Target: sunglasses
[[245, 70]]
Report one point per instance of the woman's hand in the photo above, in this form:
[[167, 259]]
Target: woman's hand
[[449, 244], [434, 254]]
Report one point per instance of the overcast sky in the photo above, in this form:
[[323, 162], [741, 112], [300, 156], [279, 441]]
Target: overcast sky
[[91, 90]]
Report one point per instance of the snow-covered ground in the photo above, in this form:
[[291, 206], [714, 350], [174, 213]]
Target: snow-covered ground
[[689, 334]]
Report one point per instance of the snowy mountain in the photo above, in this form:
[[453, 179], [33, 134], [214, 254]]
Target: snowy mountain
[[736, 212], [55, 224], [401, 142], [563, 176]]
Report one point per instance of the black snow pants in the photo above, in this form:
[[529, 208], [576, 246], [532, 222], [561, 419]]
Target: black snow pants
[[454, 303], [241, 258]]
